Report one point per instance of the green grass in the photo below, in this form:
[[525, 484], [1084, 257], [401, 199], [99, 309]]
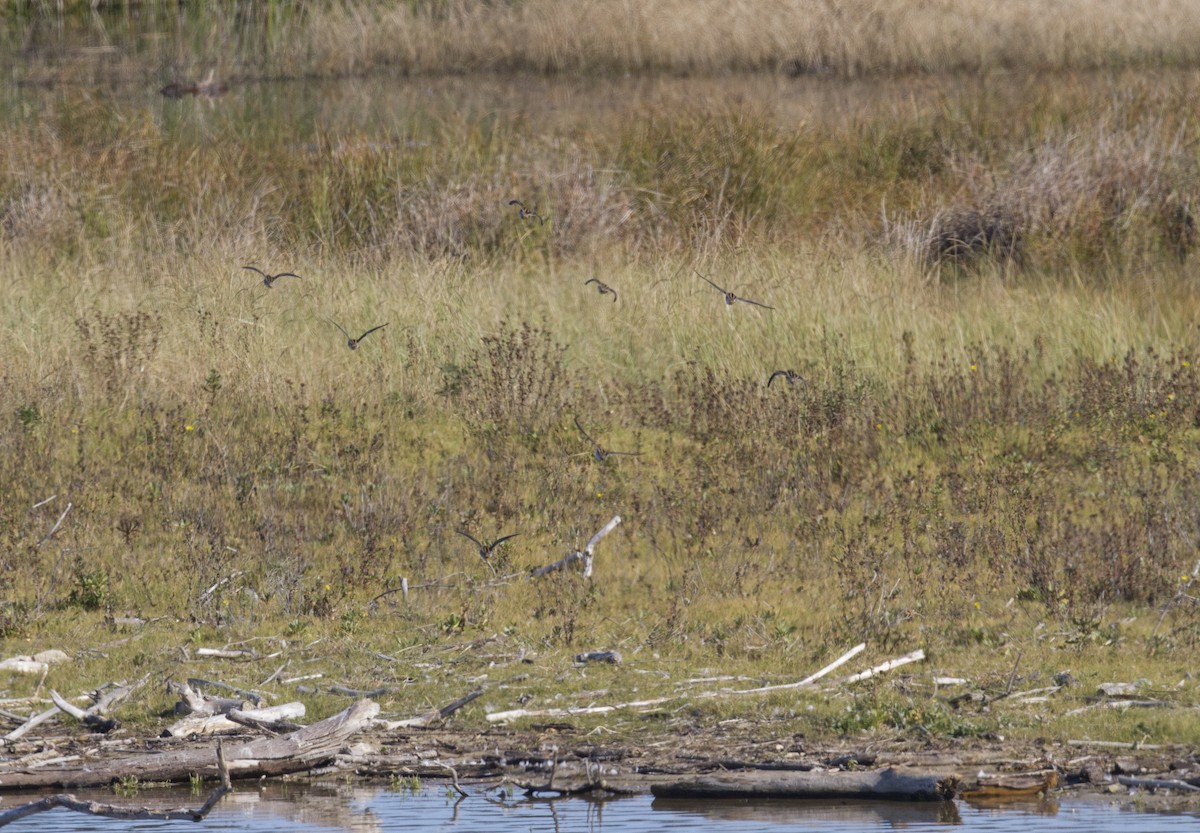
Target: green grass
[[991, 454]]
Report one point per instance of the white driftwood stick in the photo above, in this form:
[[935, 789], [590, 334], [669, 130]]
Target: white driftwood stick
[[57, 524], [585, 555], [61, 702], [565, 561], [591, 545], [36, 720], [498, 717], [914, 656], [1114, 744], [200, 724], [225, 653], [812, 678]]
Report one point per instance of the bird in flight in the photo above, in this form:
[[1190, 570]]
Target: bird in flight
[[600, 452], [353, 343], [730, 298], [789, 376], [269, 280], [486, 548], [525, 213], [604, 288]]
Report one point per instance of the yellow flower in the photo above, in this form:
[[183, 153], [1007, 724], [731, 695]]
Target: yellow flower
[[1170, 397], [973, 367], [189, 427]]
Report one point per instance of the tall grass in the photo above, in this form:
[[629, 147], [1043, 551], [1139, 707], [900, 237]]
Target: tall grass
[[981, 440], [859, 38]]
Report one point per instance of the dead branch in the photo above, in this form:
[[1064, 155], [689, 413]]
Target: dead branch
[[95, 808], [1157, 784], [298, 751], [883, 667], [430, 718], [31, 723], [252, 696], [273, 719], [585, 556], [809, 680], [57, 524], [642, 705]]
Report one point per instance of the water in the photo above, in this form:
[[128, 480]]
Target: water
[[305, 809]]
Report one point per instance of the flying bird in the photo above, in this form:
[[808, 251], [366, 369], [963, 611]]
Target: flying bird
[[353, 343], [525, 213], [269, 280], [789, 376], [600, 452], [603, 288], [730, 298], [486, 549]]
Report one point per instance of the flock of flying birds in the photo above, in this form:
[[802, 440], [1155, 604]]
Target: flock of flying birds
[[599, 452]]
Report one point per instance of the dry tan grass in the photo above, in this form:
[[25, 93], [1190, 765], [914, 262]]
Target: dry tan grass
[[849, 38]]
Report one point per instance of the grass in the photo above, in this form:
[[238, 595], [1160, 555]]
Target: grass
[[985, 286], [860, 38]]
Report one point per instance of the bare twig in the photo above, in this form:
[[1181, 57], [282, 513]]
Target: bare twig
[[57, 524], [32, 723], [883, 667]]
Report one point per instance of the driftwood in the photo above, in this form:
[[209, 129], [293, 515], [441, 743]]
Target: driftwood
[[1012, 786], [274, 718], [890, 784], [915, 656], [1115, 744], [250, 696], [585, 556], [613, 657], [641, 705], [113, 811], [95, 716], [296, 752], [432, 717], [31, 723], [1158, 784]]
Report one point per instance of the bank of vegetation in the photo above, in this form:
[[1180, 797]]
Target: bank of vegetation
[[983, 285]]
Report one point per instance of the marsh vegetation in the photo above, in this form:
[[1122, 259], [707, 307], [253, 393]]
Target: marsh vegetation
[[982, 277]]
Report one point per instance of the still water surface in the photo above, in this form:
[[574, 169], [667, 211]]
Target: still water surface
[[369, 809]]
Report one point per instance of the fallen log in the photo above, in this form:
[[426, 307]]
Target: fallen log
[[1012, 786], [1157, 784], [205, 724], [114, 811], [890, 784], [299, 751]]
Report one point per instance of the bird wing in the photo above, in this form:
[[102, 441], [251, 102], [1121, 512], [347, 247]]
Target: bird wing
[[259, 271], [501, 540], [585, 433], [340, 327], [710, 283], [748, 301], [478, 543], [368, 332]]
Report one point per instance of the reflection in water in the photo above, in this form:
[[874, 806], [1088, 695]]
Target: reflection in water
[[817, 814], [325, 806]]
